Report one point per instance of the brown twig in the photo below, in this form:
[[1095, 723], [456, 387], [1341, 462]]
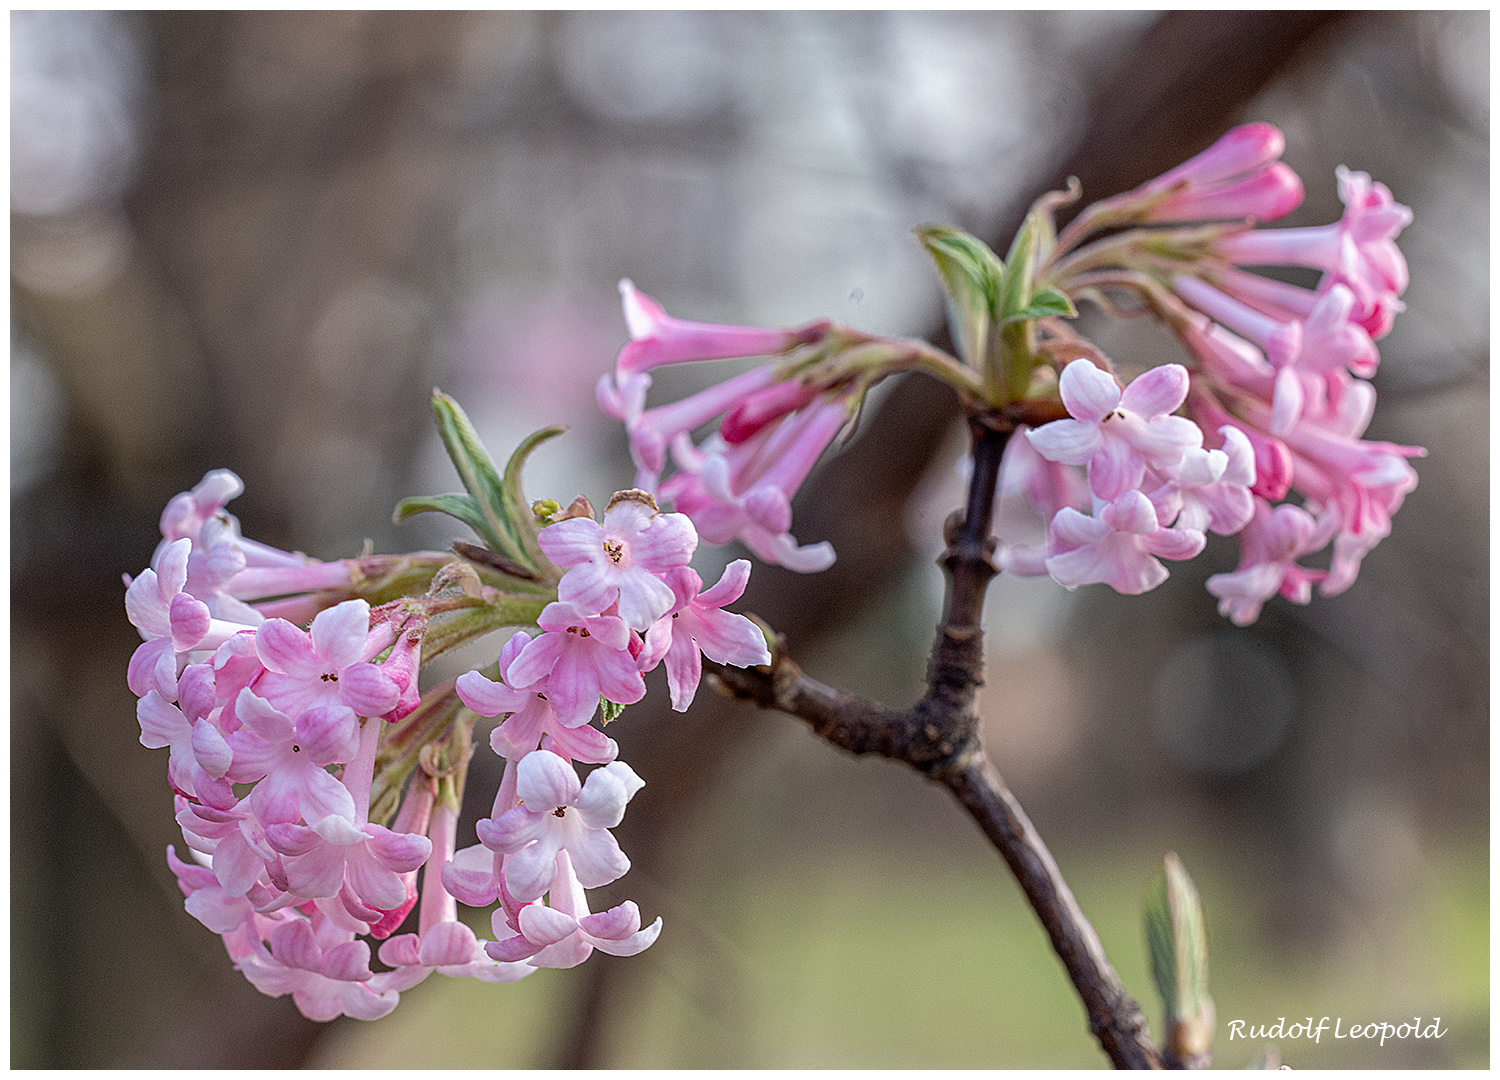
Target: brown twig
[[938, 736]]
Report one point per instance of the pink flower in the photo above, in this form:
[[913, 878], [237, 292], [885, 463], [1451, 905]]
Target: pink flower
[[1029, 493], [200, 754], [288, 758], [1238, 176], [236, 840], [744, 491], [442, 943], [172, 622], [322, 668], [1117, 546], [1269, 548], [325, 980], [621, 560], [1358, 251], [563, 933], [656, 338], [320, 856], [532, 717], [697, 627], [556, 813], [187, 512], [584, 657], [653, 430], [213, 905], [1118, 434], [1210, 489]]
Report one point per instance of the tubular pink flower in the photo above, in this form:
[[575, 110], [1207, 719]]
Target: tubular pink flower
[[1358, 251], [621, 560], [1269, 548], [557, 813], [1118, 434], [1238, 176], [651, 431], [532, 716], [744, 492], [697, 627], [584, 657], [564, 934], [656, 338], [1117, 546], [1281, 341], [307, 670]]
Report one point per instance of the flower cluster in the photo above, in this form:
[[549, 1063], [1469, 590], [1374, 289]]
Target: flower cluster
[[1277, 391], [1274, 404], [627, 600], [736, 484], [279, 735]]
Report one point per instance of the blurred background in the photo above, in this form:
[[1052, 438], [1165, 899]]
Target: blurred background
[[257, 240]]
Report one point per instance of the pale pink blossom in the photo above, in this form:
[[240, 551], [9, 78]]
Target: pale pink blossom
[[532, 717], [697, 626], [1269, 548], [622, 560], [1117, 546], [323, 667], [563, 933], [1210, 489], [289, 758], [584, 657], [1118, 434], [556, 813]]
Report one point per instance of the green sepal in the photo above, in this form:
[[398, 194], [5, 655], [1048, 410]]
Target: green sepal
[[1177, 939], [517, 510], [494, 507], [477, 471], [1048, 302], [971, 275], [609, 710], [460, 506]]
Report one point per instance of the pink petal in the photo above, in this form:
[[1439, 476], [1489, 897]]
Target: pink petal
[[730, 586], [1071, 442], [1157, 392], [339, 632], [1088, 393], [285, 649]]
